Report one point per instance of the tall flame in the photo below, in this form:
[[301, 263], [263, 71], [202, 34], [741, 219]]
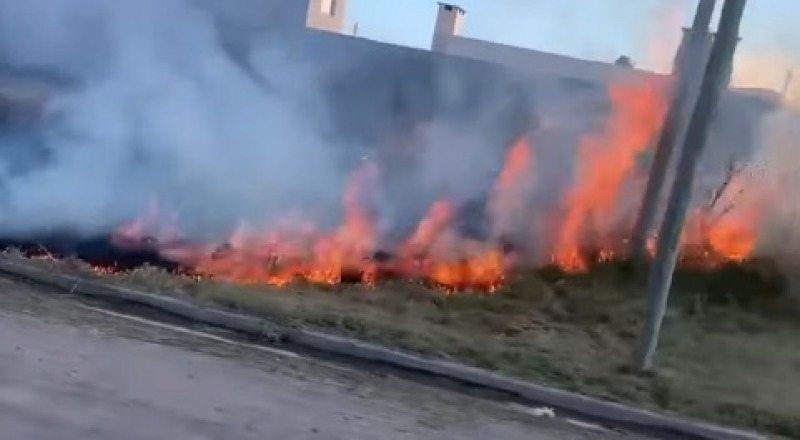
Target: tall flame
[[605, 161], [510, 195], [437, 252], [732, 235]]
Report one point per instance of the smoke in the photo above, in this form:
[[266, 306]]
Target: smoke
[[773, 70], [772, 180], [161, 111], [176, 103], [664, 32]]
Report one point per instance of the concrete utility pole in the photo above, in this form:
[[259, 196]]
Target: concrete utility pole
[[660, 279], [690, 66]]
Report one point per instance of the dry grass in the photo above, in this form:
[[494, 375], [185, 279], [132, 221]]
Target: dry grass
[[729, 351]]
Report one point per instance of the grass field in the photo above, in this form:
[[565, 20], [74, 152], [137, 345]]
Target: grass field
[[729, 351]]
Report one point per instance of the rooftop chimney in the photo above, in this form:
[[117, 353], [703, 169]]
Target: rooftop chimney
[[449, 21]]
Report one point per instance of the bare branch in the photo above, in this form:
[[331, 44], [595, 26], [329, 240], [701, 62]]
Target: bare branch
[[732, 172]]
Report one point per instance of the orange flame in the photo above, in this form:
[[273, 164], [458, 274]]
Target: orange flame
[[509, 197], [605, 161], [733, 235], [282, 256], [437, 252], [734, 241], [151, 227]]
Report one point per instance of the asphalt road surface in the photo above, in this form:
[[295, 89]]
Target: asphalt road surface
[[68, 371]]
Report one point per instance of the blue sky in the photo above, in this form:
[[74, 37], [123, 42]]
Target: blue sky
[[597, 29]]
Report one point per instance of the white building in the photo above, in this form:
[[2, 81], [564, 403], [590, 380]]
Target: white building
[[331, 15], [447, 39], [327, 15]]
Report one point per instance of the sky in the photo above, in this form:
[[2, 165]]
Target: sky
[[646, 30]]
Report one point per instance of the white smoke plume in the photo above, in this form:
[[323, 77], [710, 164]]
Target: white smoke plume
[[773, 180], [161, 111]]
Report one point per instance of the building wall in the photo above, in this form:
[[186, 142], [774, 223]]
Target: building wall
[[542, 63], [377, 91], [735, 130]]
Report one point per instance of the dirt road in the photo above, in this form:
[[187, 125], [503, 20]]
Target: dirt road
[[71, 372]]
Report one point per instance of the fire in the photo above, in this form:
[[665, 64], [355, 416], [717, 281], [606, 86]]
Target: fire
[[508, 199], [298, 251], [435, 252], [605, 161], [732, 233], [430, 228], [735, 241], [484, 270], [150, 227], [438, 252]]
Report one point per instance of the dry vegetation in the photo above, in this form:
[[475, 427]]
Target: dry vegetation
[[729, 351]]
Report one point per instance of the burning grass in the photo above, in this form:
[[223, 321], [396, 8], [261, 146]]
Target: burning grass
[[728, 353], [450, 289], [451, 292], [462, 243]]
